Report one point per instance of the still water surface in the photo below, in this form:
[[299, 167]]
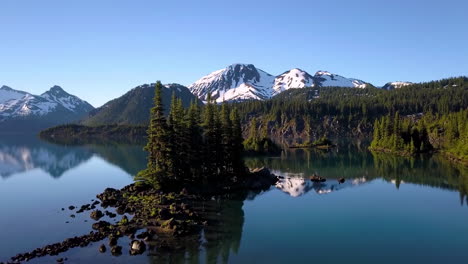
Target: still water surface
[[389, 209]]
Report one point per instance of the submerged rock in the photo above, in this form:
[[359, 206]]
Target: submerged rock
[[137, 247], [102, 248], [116, 250], [112, 241]]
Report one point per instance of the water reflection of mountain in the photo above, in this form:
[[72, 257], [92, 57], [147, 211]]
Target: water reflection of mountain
[[20, 154], [298, 185], [353, 164]]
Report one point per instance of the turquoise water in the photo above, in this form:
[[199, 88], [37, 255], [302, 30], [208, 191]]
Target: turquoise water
[[388, 210]]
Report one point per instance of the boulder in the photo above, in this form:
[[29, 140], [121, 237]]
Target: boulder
[[137, 247], [116, 250], [96, 215], [102, 248]]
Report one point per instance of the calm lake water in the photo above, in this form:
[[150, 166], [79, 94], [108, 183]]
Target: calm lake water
[[389, 209]]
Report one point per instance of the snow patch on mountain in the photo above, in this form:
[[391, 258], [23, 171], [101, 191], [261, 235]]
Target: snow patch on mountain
[[246, 82], [58, 95], [324, 79], [295, 78], [20, 104], [396, 85], [235, 82]]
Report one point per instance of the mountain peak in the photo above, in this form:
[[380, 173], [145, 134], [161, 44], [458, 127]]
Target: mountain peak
[[6, 88], [235, 82], [56, 90], [320, 73]]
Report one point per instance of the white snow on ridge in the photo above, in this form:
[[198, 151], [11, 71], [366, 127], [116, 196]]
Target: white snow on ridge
[[329, 79], [235, 82], [7, 94], [396, 85], [15, 103], [244, 82], [295, 78]]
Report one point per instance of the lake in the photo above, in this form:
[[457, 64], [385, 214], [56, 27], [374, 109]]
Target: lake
[[389, 209]]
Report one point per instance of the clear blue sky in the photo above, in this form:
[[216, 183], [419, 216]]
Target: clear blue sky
[[98, 50]]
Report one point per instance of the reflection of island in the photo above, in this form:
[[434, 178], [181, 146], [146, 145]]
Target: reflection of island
[[218, 240], [20, 154]]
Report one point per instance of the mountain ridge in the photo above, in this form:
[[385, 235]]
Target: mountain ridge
[[20, 109], [133, 106], [239, 81]]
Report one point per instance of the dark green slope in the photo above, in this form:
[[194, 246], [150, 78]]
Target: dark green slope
[[133, 107]]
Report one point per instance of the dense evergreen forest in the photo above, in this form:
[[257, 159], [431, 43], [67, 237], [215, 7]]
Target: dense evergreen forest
[[192, 146], [407, 136], [300, 115]]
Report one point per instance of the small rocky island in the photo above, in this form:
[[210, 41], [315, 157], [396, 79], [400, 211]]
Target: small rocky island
[[321, 143]]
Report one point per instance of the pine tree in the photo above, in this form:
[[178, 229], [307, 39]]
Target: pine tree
[[237, 141], [209, 139], [194, 137], [226, 139], [160, 163]]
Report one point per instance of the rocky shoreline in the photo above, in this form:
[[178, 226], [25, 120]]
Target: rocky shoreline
[[150, 218]]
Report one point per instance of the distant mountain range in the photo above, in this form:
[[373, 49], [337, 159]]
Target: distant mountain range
[[246, 82], [22, 111]]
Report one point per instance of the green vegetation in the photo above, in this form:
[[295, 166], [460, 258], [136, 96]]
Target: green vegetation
[[447, 133], [322, 143], [259, 143], [192, 147], [132, 107], [405, 137], [73, 134], [303, 115]]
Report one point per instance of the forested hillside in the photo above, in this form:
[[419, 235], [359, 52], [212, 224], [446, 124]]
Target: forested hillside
[[299, 115], [132, 107], [447, 133]]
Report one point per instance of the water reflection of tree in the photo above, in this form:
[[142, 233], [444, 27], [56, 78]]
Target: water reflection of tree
[[218, 240], [342, 161], [434, 172], [130, 158]]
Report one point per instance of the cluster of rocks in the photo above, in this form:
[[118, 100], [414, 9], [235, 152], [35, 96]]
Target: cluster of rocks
[[57, 248]]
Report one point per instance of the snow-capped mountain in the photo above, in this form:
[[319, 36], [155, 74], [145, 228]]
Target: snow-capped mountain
[[395, 85], [70, 102], [15, 103], [244, 82], [325, 79], [19, 109], [233, 83], [295, 78]]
